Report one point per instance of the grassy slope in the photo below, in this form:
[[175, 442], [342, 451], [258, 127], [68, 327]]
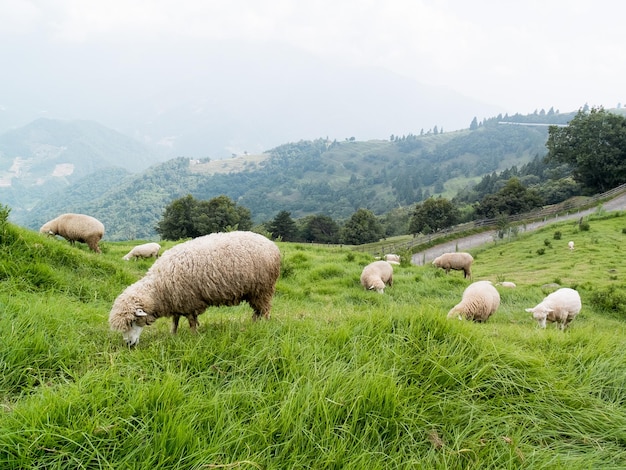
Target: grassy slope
[[339, 378]]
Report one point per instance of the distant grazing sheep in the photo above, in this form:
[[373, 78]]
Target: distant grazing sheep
[[506, 284], [216, 269], [480, 300], [76, 228], [147, 250], [376, 275], [393, 259], [560, 307], [458, 261], [570, 245]]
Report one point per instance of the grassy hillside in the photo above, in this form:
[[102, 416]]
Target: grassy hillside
[[338, 378]]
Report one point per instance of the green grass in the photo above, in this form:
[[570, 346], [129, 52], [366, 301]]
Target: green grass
[[339, 377]]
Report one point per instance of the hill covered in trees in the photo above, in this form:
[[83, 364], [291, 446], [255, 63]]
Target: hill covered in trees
[[333, 178]]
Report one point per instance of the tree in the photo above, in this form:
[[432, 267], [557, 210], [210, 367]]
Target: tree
[[176, 222], [594, 144], [433, 215], [220, 214], [189, 218], [283, 227], [474, 124], [362, 227], [320, 229], [513, 198]]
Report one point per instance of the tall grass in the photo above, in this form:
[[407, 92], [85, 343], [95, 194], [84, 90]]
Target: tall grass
[[339, 377]]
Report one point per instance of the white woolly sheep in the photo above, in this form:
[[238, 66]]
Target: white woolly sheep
[[480, 300], [147, 250], [393, 259], [376, 275], [506, 284], [212, 270], [560, 307], [570, 245], [76, 228], [458, 261]]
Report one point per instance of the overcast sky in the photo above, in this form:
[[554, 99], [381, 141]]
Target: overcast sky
[[519, 56]]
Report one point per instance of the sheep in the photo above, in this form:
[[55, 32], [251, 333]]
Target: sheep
[[76, 228], [480, 300], [560, 307], [506, 284], [211, 270], [458, 261], [570, 245], [147, 250], [376, 275], [392, 259]]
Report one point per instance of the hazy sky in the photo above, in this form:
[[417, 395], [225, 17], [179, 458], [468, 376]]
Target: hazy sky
[[520, 56]]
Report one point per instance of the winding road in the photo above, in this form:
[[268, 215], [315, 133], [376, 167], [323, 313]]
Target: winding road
[[471, 241]]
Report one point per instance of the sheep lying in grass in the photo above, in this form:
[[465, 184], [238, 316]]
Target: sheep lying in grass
[[480, 300], [506, 284], [570, 245], [392, 258], [560, 307], [216, 269], [76, 228], [376, 275], [147, 250], [458, 261]]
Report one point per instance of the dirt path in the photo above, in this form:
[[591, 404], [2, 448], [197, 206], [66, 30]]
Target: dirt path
[[471, 241]]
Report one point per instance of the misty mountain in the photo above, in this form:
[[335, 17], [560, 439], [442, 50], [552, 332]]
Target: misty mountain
[[306, 177], [48, 155], [225, 99]]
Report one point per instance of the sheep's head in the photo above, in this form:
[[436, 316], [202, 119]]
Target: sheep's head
[[129, 316], [540, 314], [377, 285], [132, 334]]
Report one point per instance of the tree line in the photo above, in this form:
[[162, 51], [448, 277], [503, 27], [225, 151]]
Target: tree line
[[584, 157]]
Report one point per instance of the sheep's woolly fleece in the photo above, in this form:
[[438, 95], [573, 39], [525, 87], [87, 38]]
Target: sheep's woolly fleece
[[376, 275], [480, 300], [216, 269], [460, 261], [76, 228]]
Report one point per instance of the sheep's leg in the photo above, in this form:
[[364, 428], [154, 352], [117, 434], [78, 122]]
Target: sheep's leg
[[175, 320], [193, 322]]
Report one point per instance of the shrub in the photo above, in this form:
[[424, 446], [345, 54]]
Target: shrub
[[541, 251], [557, 235], [584, 226], [609, 300], [547, 243]]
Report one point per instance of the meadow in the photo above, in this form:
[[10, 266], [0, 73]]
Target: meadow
[[338, 378]]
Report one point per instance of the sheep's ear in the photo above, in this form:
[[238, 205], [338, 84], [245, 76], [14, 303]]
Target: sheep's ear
[[140, 313]]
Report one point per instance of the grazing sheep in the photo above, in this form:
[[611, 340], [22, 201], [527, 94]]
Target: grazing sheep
[[560, 307], [480, 300], [570, 245], [147, 250], [76, 228], [216, 269], [458, 261], [506, 284], [376, 275], [393, 259]]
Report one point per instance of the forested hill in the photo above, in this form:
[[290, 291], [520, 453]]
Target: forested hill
[[333, 178]]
